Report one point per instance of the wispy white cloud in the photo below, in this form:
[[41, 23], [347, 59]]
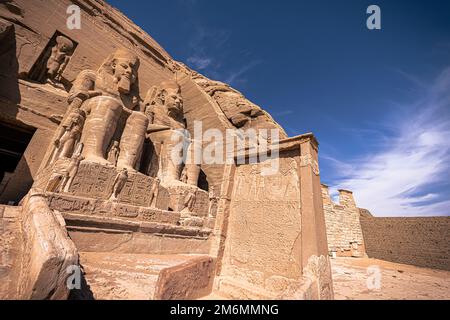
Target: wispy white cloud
[[199, 62], [203, 44], [401, 179], [209, 50], [237, 74]]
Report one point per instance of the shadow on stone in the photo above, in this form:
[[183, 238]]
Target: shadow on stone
[[84, 293]]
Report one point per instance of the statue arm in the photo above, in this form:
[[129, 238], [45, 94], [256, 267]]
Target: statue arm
[[62, 67], [60, 133], [49, 56], [84, 86]]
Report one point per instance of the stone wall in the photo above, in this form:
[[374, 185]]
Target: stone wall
[[424, 242], [271, 242], [343, 226]]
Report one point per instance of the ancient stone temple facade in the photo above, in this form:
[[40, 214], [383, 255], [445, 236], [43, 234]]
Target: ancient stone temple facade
[[98, 132]]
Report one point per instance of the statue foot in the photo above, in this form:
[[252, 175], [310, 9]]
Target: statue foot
[[174, 183], [129, 169], [97, 159]]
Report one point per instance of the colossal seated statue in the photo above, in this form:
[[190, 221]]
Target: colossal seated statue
[[108, 94], [164, 108]]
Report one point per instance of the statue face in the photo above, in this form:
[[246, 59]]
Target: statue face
[[173, 100], [125, 73], [64, 44], [64, 47]]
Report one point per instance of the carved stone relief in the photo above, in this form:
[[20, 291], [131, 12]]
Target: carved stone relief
[[260, 205], [307, 160], [50, 66]]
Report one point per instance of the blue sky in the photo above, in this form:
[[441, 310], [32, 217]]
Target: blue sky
[[378, 101]]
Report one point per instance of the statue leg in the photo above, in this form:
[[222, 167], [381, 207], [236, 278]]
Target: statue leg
[[99, 127], [132, 141], [169, 152], [192, 168], [173, 162], [67, 149]]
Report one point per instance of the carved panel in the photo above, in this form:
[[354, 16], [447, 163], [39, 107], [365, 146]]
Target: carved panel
[[85, 206], [53, 60], [265, 205], [96, 181], [179, 193], [307, 160]]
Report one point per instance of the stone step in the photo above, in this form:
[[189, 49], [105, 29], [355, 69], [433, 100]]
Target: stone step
[[10, 249], [123, 276]]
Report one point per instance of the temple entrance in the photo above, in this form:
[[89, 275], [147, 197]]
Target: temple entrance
[[13, 143]]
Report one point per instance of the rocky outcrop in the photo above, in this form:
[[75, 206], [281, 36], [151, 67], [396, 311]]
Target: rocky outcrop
[[241, 112]]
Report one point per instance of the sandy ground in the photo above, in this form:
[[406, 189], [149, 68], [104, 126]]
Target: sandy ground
[[127, 276], [115, 276], [397, 281]]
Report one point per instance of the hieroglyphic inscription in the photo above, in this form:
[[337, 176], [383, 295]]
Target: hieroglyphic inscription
[[96, 181]]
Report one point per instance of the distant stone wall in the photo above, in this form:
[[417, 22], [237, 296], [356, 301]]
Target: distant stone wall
[[424, 242], [343, 226]]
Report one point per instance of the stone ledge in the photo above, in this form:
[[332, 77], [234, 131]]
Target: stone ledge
[[102, 208], [97, 224]]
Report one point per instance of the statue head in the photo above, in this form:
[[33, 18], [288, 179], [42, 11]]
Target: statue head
[[171, 96], [123, 65], [167, 94], [64, 44], [76, 118], [124, 171]]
